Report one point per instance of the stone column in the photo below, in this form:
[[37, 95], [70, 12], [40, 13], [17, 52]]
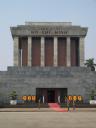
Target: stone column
[[29, 51], [81, 51], [42, 52], [55, 51], [16, 51], [68, 52]]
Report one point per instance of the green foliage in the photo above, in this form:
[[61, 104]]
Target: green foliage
[[13, 95], [90, 63], [92, 94]]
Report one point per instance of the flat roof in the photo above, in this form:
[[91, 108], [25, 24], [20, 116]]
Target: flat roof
[[49, 23]]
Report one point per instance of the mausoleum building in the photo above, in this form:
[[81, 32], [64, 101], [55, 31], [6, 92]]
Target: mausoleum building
[[48, 62], [48, 44]]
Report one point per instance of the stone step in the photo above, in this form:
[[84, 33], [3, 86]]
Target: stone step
[[48, 69], [44, 72]]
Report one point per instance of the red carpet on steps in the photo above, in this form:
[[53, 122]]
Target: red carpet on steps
[[56, 107]]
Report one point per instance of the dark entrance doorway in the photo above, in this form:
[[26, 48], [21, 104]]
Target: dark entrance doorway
[[51, 95]]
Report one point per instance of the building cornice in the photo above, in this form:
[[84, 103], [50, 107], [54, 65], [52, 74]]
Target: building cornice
[[48, 29]]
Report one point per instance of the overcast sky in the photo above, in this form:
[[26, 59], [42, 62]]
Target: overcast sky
[[16, 12]]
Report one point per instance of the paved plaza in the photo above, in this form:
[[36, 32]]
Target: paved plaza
[[77, 119]]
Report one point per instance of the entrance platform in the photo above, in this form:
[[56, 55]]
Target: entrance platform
[[45, 110]]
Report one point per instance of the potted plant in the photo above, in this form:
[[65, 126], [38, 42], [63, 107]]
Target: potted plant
[[13, 96], [92, 97]]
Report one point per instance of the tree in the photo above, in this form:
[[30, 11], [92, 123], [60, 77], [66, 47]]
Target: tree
[[90, 63]]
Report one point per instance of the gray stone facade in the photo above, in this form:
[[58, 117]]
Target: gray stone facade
[[49, 29], [25, 80]]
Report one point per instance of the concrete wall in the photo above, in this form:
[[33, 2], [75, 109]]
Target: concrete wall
[[79, 81]]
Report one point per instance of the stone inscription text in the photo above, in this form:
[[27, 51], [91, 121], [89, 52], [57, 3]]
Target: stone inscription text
[[49, 32]]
